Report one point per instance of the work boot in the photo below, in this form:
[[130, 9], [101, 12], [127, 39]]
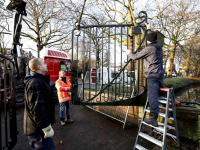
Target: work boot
[[62, 122], [152, 119], [68, 120]]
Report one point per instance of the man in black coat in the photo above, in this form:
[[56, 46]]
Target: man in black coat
[[39, 112]]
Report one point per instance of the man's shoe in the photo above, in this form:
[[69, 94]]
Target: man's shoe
[[152, 120], [62, 122], [68, 120]]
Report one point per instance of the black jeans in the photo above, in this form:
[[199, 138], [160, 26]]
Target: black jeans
[[38, 142]]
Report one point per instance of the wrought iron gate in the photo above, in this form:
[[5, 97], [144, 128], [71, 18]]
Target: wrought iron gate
[[108, 76], [8, 125]]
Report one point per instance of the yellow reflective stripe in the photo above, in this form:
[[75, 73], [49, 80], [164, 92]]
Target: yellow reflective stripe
[[64, 98]]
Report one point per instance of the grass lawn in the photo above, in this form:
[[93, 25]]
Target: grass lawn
[[180, 83]]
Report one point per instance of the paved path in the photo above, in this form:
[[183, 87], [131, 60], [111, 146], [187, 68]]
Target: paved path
[[89, 131]]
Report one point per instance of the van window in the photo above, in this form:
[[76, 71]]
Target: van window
[[65, 66]]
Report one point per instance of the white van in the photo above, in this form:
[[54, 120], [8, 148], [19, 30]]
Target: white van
[[107, 78], [128, 76]]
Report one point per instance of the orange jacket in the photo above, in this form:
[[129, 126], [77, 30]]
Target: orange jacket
[[63, 89]]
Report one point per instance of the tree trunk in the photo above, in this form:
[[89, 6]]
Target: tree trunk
[[187, 95], [165, 62], [171, 61], [187, 66]]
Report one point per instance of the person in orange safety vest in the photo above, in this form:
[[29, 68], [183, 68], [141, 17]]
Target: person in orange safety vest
[[63, 85]]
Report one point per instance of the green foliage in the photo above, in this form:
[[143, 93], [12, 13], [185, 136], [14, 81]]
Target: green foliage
[[179, 83]]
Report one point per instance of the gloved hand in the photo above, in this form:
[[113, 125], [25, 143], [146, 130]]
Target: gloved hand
[[127, 51], [148, 26], [48, 132]]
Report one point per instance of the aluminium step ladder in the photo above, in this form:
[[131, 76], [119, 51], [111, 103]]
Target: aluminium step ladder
[[162, 129]]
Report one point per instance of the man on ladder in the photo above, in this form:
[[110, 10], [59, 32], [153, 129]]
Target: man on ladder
[[153, 68]]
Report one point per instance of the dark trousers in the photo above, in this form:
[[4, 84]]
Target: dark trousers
[[153, 84], [38, 142]]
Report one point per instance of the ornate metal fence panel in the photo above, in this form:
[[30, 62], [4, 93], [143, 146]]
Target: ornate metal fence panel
[[8, 125], [108, 76]]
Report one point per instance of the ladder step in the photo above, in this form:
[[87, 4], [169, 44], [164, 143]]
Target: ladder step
[[160, 114], [165, 108], [140, 147], [171, 135], [162, 101], [149, 138], [168, 134], [168, 126], [159, 128], [162, 98]]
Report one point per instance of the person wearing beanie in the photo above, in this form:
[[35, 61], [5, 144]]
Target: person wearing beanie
[[63, 85], [153, 68]]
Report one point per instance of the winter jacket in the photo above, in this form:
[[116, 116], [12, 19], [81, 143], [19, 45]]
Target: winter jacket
[[63, 88], [39, 109], [152, 55]]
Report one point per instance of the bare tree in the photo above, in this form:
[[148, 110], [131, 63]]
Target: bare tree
[[5, 31], [46, 23], [178, 20], [191, 54]]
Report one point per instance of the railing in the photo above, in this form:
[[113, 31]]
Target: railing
[[108, 76]]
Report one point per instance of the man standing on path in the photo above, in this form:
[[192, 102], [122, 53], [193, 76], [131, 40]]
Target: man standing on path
[[63, 85], [39, 112], [153, 68]]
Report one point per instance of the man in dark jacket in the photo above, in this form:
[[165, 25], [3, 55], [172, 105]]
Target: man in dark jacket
[[153, 68], [39, 107]]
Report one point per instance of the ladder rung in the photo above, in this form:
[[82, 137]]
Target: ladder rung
[[162, 101], [165, 108], [168, 134], [140, 147], [149, 138], [171, 135], [160, 114], [162, 98], [161, 129], [170, 127]]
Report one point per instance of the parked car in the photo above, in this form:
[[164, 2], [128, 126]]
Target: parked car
[[191, 74]]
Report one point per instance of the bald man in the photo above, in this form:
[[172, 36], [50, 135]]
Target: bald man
[[39, 107]]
